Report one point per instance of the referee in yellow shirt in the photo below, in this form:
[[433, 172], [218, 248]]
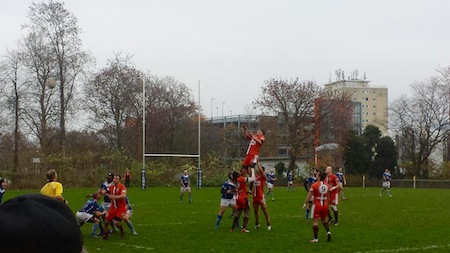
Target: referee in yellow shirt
[[53, 188]]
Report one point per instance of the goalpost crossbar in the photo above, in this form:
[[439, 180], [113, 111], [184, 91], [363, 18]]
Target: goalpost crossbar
[[171, 155]]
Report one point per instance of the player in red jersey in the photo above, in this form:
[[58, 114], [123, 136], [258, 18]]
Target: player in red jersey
[[256, 141], [335, 186], [117, 192], [252, 153], [319, 193], [242, 198], [258, 197]]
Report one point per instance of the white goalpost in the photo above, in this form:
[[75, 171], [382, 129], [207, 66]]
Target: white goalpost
[[144, 155]]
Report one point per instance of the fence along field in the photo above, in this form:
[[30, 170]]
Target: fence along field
[[411, 221]]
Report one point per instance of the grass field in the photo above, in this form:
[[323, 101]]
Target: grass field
[[413, 220]]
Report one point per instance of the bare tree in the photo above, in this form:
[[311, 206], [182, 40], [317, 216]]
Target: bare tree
[[422, 122], [305, 108], [12, 80], [172, 116], [111, 97], [58, 29], [41, 109]]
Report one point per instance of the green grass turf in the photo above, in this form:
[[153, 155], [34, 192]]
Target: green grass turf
[[413, 220]]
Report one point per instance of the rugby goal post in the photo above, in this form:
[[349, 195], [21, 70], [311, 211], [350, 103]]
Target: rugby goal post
[[144, 155]]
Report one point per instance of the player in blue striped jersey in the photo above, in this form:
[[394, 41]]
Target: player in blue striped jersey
[[290, 179], [307, 184], [185, 186], [271, 177], [310, 180], [386, 183], [228, 198], [90, 212], [341, 177]]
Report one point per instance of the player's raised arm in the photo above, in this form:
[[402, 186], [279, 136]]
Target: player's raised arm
[[260, 168], [252, 177]]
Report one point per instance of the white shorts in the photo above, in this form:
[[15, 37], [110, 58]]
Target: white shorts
[[82, 216], [387, 184], [290, 182], [269, 185], [185, 189], [105, 206], [130, 213], [228, 202]]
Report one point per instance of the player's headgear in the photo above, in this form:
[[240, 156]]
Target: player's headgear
[[37, 223], [110, 177]]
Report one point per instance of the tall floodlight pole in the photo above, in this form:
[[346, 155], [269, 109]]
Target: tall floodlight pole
[[223, 102], [212, 100], [143, 182], [199, 169], [223, 119]]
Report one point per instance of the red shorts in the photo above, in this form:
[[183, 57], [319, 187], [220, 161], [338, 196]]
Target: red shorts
[[117, 213], [250, 160], [334, 198], [259, 201], [320, 211], [242, 203]]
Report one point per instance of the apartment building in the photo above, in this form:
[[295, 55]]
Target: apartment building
[[370, 102]]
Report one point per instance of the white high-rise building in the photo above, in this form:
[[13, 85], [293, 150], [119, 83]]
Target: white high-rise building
[[373, 101]]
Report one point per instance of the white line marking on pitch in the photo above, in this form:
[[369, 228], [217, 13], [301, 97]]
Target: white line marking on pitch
[[406, 249], [134, 246]]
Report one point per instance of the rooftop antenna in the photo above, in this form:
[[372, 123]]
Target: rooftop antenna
[[338, 74]]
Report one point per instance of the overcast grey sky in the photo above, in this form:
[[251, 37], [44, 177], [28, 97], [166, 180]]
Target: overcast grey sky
[[232, 46]]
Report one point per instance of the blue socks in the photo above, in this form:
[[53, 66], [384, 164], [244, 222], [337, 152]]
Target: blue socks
[[219, 218], [94, 228]]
